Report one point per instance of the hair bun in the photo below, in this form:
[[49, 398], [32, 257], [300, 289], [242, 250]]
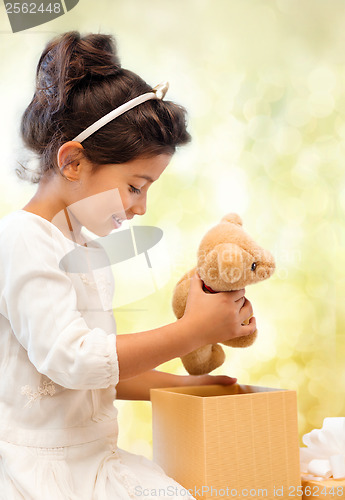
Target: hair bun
[[70, 60], [95, 55]]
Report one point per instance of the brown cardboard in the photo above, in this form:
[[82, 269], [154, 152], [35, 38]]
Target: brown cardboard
[[237, 441], [330, 489]]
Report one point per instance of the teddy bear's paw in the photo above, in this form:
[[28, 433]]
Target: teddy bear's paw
[[204, 360], [244, 341]]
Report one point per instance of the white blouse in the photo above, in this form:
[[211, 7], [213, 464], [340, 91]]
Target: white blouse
[[58, 361]]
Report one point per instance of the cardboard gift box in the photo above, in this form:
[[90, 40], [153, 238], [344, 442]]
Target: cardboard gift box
[[228, 441], [329, 489]]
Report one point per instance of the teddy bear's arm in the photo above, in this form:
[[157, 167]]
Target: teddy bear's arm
[[180, 294]]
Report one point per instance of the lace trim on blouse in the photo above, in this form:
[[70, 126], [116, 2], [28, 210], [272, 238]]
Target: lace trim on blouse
[[48, 389]]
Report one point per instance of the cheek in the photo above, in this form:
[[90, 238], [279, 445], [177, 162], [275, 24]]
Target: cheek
[[105, 201], [97, 206], [126, 200]]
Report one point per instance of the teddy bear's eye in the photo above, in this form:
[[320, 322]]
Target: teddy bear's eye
[[253, 266]]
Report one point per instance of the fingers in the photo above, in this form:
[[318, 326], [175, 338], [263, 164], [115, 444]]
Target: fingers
[[223, 380], [241, 302], [196, 282], [237, 295], [250, 328], [212, 379], [246, 310]]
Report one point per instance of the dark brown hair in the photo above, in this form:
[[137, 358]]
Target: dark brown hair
[[79, 80]]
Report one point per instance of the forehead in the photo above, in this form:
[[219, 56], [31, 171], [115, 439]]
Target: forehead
[[148, 169]]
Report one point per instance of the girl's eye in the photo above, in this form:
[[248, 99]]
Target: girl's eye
[[134, 190]]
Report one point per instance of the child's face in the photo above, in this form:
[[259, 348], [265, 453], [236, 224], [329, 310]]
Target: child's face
[[115, 192]]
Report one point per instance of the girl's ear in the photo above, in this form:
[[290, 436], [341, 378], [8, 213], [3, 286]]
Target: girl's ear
[[70, 161]]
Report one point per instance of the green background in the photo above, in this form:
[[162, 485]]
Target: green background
[[264, 85]]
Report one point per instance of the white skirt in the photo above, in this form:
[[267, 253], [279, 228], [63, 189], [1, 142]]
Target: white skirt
[[90, 471]]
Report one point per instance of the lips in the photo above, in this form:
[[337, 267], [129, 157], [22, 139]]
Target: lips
[[117, 221]]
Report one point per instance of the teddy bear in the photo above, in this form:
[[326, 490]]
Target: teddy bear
[[227, 259]]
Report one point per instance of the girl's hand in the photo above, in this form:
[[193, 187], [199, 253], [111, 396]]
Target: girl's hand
[[208, 380], [217, 317]]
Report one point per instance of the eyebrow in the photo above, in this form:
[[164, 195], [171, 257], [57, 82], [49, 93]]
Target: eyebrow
[[148, 178]]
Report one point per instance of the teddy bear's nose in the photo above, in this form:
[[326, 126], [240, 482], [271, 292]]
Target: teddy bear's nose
[[263, 273]]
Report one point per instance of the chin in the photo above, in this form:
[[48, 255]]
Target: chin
[[100, 232]]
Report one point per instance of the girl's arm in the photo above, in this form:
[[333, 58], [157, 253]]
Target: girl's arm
[[138, 388], [208, 319]]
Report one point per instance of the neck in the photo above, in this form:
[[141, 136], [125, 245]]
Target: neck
[[47, 204]]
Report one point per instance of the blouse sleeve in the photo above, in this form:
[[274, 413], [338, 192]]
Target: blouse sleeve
[[39, 300]]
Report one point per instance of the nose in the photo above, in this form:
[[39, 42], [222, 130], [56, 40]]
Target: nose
[[139, 208]]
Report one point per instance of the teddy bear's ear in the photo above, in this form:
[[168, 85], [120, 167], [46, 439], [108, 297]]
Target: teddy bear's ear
[[232, 217]]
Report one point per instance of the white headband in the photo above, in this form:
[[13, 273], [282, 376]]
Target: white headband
[[157, 92]]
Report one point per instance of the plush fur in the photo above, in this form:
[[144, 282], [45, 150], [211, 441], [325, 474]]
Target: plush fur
[[228, 259]]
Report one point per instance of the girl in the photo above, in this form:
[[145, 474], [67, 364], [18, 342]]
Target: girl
[[62, 365]]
